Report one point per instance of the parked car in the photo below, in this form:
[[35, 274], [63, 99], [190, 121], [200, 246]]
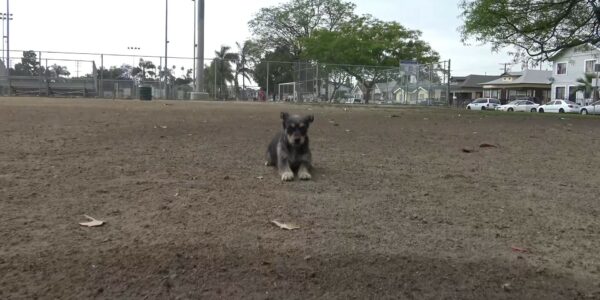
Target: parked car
[[592, 109], [559, 106], [519, 105], [483, 104]]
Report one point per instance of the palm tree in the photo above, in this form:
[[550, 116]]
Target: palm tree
[[140, 70], [586, 84], [245, 52], [223, 59]]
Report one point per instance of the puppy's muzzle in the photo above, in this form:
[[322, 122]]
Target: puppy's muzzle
[[296, 138]]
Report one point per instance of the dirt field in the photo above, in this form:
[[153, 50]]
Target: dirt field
[[396, 208]]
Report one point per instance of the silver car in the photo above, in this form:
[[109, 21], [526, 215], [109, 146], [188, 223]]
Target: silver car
[[592, 109], [519, 105]]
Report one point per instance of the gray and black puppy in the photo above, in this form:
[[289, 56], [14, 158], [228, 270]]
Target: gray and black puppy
[[289, 149]]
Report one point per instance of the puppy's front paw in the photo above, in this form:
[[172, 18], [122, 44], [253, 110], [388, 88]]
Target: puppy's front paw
[[304, 175], [287, 176]]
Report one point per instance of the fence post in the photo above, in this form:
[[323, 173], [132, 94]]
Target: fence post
[[101, 88], [40, 75], [216, 66], [430, 78], [318, 85], [47, 80], [267, 80], [450, 102]]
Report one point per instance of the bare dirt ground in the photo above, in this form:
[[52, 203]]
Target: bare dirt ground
[[396, 208]]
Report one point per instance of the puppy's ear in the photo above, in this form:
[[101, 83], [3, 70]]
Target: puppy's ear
[[309, 119], [284, 115]]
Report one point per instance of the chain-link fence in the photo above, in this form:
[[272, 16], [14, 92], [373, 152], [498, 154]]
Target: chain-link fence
[[123, 77], [408, 83]]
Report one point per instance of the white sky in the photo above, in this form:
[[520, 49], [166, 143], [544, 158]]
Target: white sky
[[110, 26]]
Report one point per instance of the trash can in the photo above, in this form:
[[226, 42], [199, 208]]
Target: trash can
[[145, 93]]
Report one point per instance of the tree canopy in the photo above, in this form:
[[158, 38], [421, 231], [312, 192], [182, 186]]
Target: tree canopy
[[287, 24], [538, 28], [366, 41]]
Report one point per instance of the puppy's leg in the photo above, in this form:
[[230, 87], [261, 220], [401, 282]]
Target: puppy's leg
[[304, 173], [283, 165], [305, 167], [272, 153], [286, 172], [270, 162]]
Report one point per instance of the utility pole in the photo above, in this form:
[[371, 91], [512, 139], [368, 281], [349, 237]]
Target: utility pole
[[199, 90], [195, 45], [165, 67], [8, 46]]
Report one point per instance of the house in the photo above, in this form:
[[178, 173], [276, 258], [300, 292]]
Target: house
[[533, 84], [466, 88], [417, 94], [359, 91], [570, 65], [384, 91], [394, 91], [335, 91]]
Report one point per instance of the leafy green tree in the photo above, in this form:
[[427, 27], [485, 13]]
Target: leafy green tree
[[336, 78], [185, 79], [225, 73], [243, 66], [145, 70], [366, 41], [114, 72], [274, 67], [286, 25], [220, 72], [538, 28], [58, 71], [29, 65]]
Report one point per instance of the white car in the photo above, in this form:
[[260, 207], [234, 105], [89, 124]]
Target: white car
[[592, 109], [484, 104], [559, 106], [519, 105]]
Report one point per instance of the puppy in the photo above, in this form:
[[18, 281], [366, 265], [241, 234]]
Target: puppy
[[289, 149]]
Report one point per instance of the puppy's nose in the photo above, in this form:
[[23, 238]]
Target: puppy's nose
[[297, 140]]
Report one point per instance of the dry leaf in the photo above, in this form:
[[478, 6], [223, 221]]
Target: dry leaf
[[519, 249], [467, 150], [488, 146], [286, 226], [92, 223]]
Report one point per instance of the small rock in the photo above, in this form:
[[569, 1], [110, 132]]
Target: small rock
[[506, 287]]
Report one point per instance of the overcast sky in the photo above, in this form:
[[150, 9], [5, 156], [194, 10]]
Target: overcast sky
[[110, 26]]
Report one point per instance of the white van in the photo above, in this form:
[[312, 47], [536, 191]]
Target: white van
[[484, 104]]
